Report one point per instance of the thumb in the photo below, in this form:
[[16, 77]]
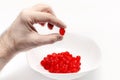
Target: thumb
[[39, 40], [51, 38]]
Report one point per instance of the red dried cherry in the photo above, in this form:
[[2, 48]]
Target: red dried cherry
[[62, 62], [50, 26], [62, 31]]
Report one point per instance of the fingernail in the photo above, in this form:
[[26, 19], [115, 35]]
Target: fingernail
[[60, 37]]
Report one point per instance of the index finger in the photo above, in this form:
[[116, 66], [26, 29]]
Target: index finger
[[46, 17], [43, 8]]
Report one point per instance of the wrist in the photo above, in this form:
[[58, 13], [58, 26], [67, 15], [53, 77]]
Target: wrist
[[6, 45], [7, 50]]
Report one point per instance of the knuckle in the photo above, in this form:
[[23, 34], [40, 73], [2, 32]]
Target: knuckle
[[49, 18], [38, 5], [45, 6], [48, 8], [24, 14]]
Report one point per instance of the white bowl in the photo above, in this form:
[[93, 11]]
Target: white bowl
[[76, 45]]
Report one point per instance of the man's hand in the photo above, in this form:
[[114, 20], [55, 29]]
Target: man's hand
[[22, 35]]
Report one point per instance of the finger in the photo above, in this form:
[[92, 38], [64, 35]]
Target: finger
[[51, 38], [46, 17], [48, 10], [50, 26], [38, 40], [43, 8]]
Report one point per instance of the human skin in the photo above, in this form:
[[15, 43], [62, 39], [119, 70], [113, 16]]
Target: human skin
[[22, 36]]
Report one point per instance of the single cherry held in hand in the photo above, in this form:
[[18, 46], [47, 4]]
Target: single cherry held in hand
[[62, 31]]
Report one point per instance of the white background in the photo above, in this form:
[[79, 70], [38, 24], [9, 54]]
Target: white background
[[97, 19]]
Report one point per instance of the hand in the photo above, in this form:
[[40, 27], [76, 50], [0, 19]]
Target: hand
[[23, 36]]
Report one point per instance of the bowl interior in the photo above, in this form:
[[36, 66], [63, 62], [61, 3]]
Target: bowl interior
[[76, 45]]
